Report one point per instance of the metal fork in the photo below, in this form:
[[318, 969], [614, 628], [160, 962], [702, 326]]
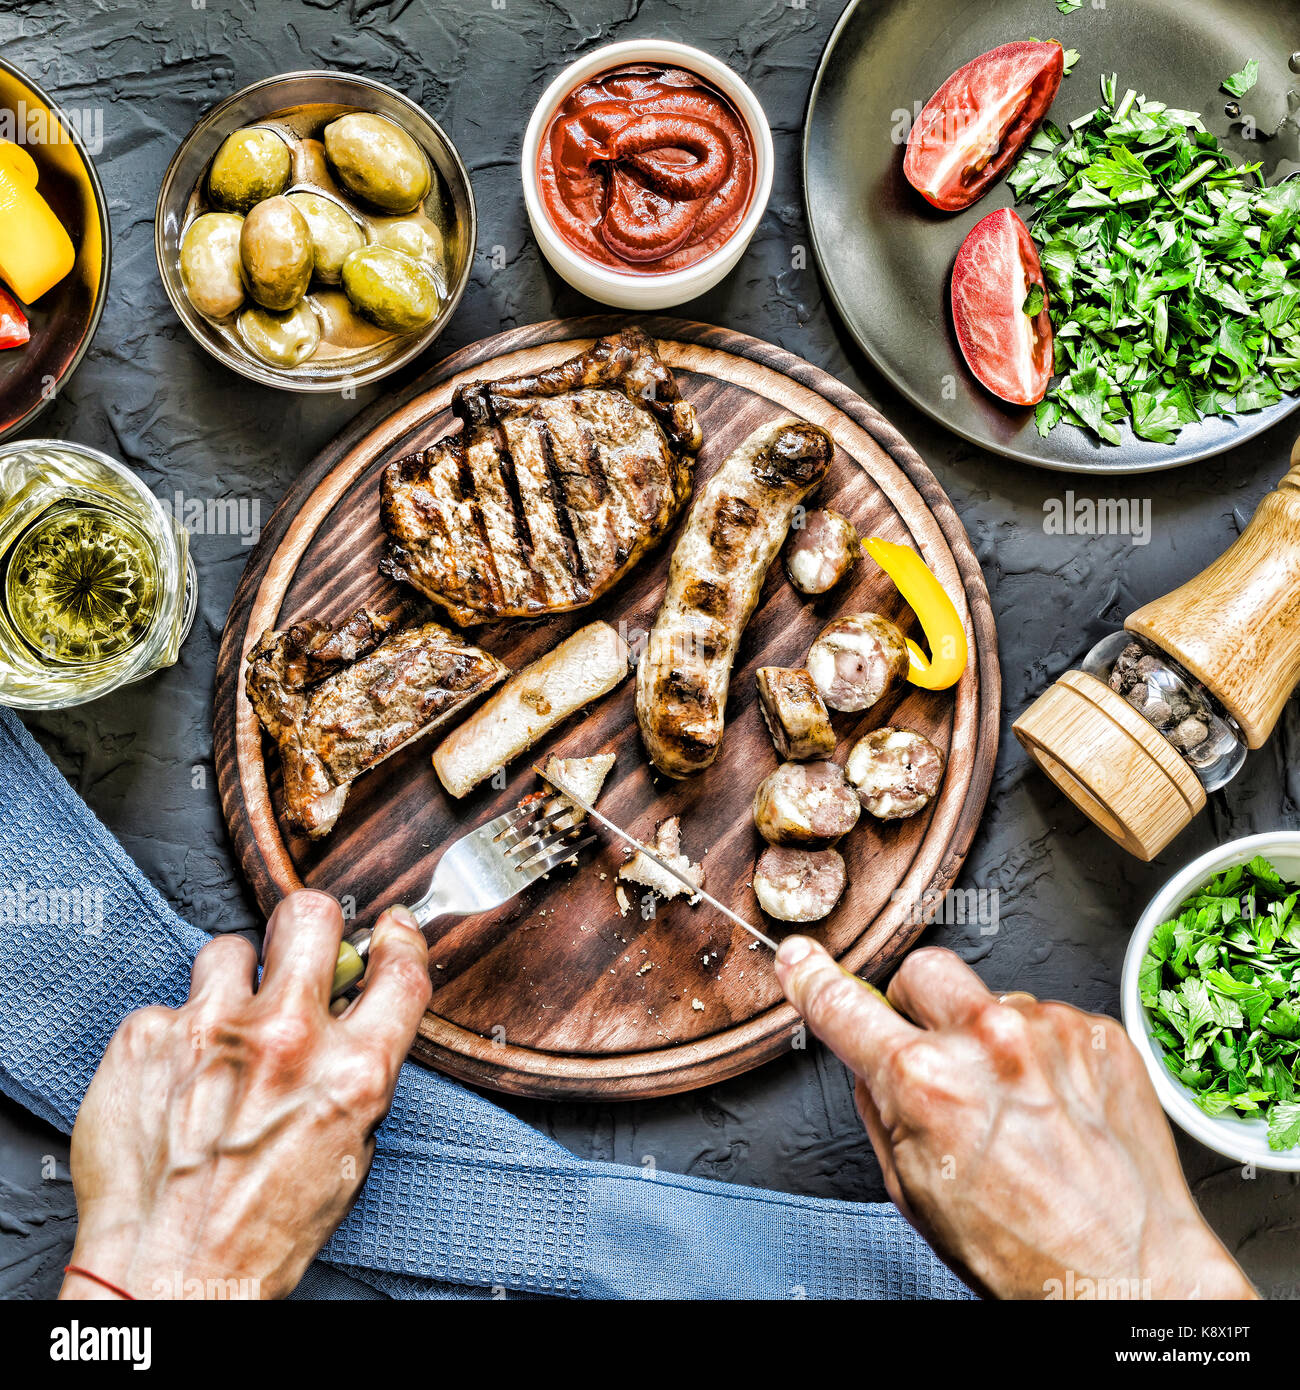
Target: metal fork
[[481, 871]]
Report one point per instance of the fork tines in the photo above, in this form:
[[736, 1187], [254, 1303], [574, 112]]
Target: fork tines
[[519, 816], [538, 833], [543, 863], [537, 836], [529, 827]]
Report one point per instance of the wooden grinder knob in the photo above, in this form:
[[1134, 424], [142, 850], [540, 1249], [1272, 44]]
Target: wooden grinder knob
[[1235, 627]]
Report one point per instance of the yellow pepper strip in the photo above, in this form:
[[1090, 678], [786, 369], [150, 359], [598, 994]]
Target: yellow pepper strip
[[19, 161], [35, 251], [937, 614]]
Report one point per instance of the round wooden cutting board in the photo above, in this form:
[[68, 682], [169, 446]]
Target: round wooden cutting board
[[560, 993]]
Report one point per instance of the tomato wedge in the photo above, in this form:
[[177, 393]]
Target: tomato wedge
[[975, 124], [996, 272], [14, 331]]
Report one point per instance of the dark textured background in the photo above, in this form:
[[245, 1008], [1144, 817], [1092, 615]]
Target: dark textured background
[[151, 397]]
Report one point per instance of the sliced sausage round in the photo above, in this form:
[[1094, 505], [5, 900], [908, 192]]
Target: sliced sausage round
[[896, 772], [821, 552], [799, 885], [794, 714], [856, 659], [808, 804]]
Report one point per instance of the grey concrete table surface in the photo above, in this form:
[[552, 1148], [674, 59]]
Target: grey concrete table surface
[[148, 395]]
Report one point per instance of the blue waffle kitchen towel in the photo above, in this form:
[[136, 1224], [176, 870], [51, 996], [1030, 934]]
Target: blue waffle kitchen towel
[[463, 1199]]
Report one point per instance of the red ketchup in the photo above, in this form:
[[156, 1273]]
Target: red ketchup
[[646, 169]]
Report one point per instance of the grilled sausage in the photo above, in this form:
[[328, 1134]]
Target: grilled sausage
[[896, 772], [794, 714], [736, 526], [808, 804], [821, 551], [856, 660], [799, 885]]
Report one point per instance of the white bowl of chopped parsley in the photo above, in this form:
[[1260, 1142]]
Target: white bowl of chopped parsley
[[1211, 997]]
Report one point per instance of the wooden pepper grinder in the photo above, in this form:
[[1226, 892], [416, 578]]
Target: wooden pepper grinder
[[1163, 712]]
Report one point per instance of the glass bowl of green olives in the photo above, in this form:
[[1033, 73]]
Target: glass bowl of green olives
[[315, 232]]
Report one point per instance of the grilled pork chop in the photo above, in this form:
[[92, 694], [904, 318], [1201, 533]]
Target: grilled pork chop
[[553, 489], [340, 700]]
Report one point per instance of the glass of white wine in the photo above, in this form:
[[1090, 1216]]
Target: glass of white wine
[[97, 587]]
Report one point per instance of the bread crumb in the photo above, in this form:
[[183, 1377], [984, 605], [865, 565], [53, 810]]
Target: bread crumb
[[667, 845], [697, 1006]]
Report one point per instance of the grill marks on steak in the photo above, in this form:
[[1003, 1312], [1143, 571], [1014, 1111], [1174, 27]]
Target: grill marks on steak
[[554, 487], [338, 701]]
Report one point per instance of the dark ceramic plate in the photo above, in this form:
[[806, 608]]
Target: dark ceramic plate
[[63, 321], [886, 255]]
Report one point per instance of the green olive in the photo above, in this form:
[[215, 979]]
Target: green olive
[[421, 241], [251, 165], [283, 340], [390, 289], [334, 235], [210, 266], [378, 161], [276, 250]]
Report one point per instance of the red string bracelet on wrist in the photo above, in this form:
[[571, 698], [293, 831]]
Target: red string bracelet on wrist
[[104, 1283]]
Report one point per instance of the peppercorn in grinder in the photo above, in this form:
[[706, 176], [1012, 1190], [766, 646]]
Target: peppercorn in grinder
[[1163, 712]]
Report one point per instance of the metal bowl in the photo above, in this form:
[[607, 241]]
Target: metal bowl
[[64, 319], [336, 94]]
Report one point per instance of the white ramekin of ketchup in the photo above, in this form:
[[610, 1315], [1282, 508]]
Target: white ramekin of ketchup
[[647, 167]]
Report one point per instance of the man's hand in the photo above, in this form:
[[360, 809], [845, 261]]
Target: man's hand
[[1023, 1140], [221, 1143]]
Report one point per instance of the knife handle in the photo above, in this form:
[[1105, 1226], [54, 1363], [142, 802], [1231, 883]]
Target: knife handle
[[354, 956]]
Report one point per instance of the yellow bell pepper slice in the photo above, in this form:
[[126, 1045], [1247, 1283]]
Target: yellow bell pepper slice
[[936, 612], [35, 250], [19, 161]]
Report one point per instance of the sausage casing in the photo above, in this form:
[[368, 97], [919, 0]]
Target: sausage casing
[[736, 527]]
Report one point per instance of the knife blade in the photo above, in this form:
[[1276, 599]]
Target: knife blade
[[652, 856]]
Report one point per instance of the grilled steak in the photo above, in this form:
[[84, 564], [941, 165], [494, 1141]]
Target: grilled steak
[[340, 700], [552, 490]]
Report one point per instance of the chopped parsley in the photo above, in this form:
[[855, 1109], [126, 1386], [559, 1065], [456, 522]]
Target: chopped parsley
[[1034, 300], [1244, 81], [1221, 986], [1174, 275]]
